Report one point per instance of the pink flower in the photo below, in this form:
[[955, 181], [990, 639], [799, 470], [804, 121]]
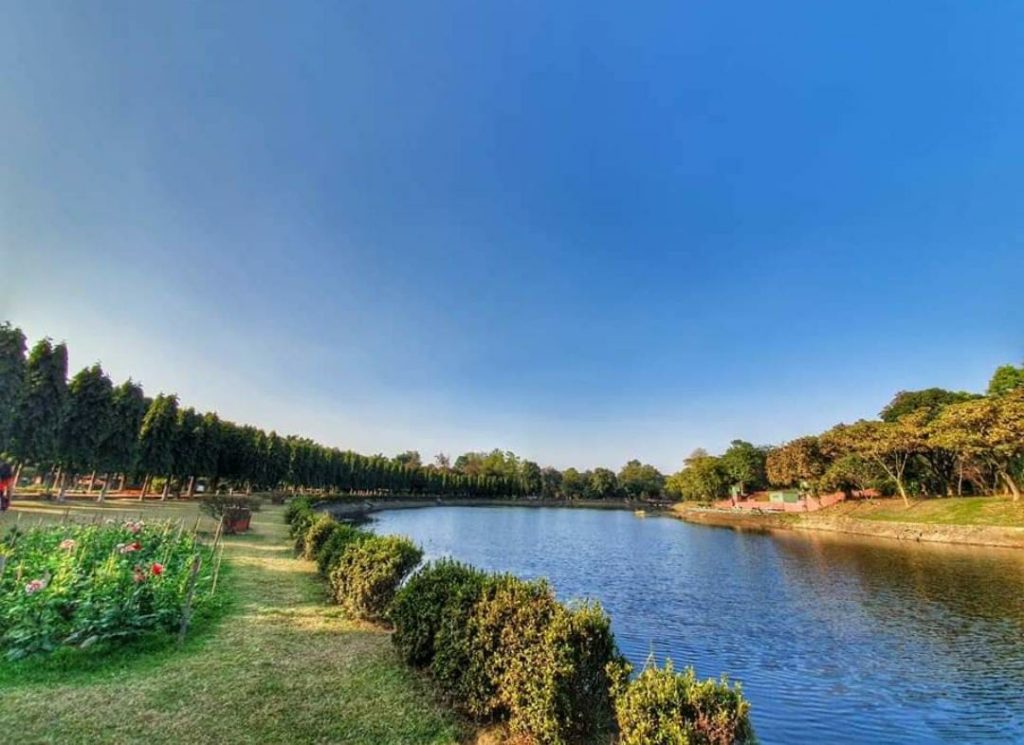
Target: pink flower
[[134, 527], [68, 544], [129, 547], [35, 586], [157, 568], [139, 574]]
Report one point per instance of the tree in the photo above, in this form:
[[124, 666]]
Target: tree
[[574, 484], [1005, 379], [602, 484], [850, 473], [931, 400], [441, 460], [119, 451], [157, 437], [891, 445], [641, 481], [530, 477], [409, 458], [798, 462], [745, 465], [41, 409], [88, 421], [550, 483], [12, 380], [989, 430], [703, 478]]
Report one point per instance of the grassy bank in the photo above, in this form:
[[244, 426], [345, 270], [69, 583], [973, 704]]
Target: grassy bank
[[981, 521], [274, 665]]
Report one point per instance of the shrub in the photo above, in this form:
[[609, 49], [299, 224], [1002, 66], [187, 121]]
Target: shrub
[[467, 686], [662, 707], [298, 515], [335, 546], [366, 577], [219, 505], [418, 608], [560, 689], [316, 535]]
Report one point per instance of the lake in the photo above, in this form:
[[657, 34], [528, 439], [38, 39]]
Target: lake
[[835, 639]]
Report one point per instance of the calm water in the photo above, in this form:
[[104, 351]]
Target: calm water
[[834, 639]]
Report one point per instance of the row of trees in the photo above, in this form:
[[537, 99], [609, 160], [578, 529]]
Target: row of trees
[[87, 426], [931, 441]]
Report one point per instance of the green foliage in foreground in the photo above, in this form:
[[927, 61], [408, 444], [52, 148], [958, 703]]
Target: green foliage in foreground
[[78, 585], [662, 707]]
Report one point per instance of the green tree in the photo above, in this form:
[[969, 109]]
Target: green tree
[[1005, 379], [745, 465], [640, 480], [574, 484], [119, 451], [530, 477], [989, 431], [703, 478], [602, 484], [410, 458], [88, 421], [157, 437], [798, 462], [41, 409], [890, 445], [12, 381], [930, 400], [551, 483]]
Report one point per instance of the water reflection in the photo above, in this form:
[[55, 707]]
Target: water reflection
[[835, 639]]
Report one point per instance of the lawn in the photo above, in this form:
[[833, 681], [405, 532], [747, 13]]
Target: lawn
[[996, 511], [272, 664]]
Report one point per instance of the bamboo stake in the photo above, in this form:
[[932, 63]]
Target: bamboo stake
[[186, 612], [216, 569]]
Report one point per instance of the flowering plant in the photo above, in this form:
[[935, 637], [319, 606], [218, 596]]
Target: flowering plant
[[76, 585]]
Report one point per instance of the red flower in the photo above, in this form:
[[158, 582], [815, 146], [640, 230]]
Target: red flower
[[157, 568], [125, 549]]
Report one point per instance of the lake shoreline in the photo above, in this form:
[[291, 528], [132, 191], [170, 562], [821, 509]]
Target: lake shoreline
[[967, 535]]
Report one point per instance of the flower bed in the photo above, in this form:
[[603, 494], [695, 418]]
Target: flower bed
[[75, 585]]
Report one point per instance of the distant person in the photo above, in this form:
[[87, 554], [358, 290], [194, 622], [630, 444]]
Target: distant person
[[6, 485]]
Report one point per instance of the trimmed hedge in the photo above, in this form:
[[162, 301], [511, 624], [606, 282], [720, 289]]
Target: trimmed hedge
[[316, 535], [366, 577], [332, 549], [662, 707], [420, 606], [501, 648]]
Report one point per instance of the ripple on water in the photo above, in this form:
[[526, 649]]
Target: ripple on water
[[834, 639]]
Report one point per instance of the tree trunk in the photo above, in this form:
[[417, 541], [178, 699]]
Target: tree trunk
[[145, 488], [14, 483], [167, 488], [61, 490], [903, 492], [1012, 483], [92, 482], [191, 491], [103, 490], [120, 482]]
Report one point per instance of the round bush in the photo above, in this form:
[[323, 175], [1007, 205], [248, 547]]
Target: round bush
[[662, 707], [417, 611], [366, 577], [335, 546], [317, 534]]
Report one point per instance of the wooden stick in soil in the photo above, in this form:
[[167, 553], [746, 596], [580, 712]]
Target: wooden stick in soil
[[186, 611], [216, 570]]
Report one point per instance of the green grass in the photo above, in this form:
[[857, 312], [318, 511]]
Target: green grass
[[270, 663], [995, 511]]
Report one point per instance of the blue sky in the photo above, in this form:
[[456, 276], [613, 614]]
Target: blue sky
[[583, 231]]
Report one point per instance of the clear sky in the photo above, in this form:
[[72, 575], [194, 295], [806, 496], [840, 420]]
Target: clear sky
[[582, 231]]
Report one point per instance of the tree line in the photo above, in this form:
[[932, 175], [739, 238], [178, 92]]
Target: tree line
[[930, 441], [924, 442], [86, 426]]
